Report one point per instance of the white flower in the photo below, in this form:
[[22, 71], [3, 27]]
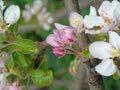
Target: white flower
[[106, 52], [92, 19], [12, 14], [108, 20], [76, 20]]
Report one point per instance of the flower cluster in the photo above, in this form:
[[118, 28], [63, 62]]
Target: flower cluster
[[9, 17], [38, 10], [62, 38], [108, 19]]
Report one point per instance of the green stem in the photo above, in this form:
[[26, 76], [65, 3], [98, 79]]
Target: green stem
[[28, 81]]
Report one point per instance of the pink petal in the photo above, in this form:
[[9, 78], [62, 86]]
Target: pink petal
[[106, 67], [59, 26], [70, 34], [100, 49], [15, 86], [52, 40], [58, 51]]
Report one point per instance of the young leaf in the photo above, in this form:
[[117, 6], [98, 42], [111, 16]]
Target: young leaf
[[16, 72], [20, 59], [25, 46], [41, 78], [10, 62]]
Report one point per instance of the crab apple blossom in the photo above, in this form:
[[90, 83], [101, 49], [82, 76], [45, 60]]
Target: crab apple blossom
[[76, 20], [107, 21], [107, 52], [12, 14], [61, 37], [9, 16], [15, 86]]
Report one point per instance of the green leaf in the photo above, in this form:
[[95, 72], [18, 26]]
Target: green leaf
[[116, 76], [25, 46], [16, 72], [10, 62], [41, 78], [20, 59]]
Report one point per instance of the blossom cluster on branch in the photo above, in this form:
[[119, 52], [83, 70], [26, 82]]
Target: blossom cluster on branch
[[106, 22]]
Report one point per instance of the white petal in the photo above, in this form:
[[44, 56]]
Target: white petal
[[100, 49], [93, 31], [91, 21], [106, 67], [59, 26], [2, 5], [115, 3], [106, 9], [116, 13], [92, 11], [114, 39], [12, 14]]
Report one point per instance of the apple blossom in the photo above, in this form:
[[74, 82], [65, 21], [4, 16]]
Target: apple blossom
[[107, 21], [76, 20], [63, 36], [106, 52], [15, 86], [12, 14]]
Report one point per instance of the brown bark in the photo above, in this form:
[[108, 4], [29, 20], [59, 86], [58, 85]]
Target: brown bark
[[95, 80]]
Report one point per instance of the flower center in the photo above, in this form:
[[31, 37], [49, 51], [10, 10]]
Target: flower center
[[77, 21], [115, 52]]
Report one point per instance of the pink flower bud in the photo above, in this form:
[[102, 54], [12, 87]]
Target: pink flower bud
[[58, 51], [15, 86], [70, 35]]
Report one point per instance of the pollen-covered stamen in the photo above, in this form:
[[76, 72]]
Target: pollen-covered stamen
[[77, 21], [115, 52]]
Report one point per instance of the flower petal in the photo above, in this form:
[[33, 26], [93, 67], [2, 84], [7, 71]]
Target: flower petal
[[106, 9], [114, 39], [58, 51], [106, 67], [2, 5], [93, 32], [116, 13], [59, 26], [92, 21], [12, 14], [92, 11], [100, 49], [52, 40], [3, 84]]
